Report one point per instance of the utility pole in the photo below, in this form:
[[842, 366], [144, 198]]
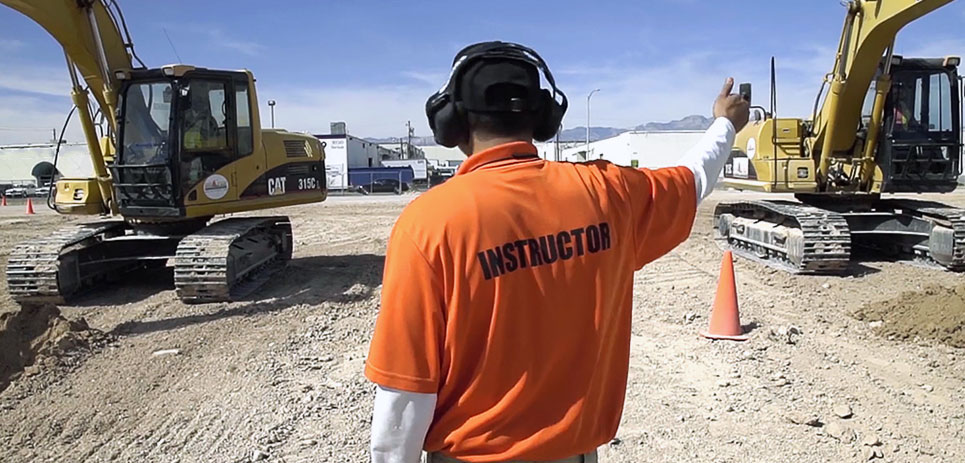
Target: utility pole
[[409, 132], [556, 149], [587, 157]]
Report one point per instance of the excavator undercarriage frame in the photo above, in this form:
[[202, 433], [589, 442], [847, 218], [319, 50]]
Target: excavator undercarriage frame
[[821, 236]]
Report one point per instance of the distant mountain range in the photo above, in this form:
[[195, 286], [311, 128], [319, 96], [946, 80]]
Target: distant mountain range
[[695, 122]]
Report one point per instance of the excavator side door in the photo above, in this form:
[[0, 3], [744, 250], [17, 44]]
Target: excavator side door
[[216, 133]]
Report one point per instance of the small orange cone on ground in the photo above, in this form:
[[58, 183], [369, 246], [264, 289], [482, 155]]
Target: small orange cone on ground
[[4, 203], [30, 207], [725, 319]]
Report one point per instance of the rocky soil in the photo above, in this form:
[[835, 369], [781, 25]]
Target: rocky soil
[[857, 368]]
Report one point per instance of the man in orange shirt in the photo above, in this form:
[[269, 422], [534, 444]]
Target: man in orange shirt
[[504, 330]]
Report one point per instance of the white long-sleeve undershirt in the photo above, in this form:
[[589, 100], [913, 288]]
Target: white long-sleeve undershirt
[[400, 420], [707, 158]]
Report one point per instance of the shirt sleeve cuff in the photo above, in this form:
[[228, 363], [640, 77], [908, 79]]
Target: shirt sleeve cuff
[[400, 382]]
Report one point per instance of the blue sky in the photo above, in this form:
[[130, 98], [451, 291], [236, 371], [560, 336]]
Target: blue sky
[[372, 64]]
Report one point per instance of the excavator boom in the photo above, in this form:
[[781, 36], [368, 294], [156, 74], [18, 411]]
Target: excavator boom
[[870, 29], [90, 36]]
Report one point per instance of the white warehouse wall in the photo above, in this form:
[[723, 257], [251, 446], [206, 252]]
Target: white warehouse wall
[[649, 149], [17, 161]]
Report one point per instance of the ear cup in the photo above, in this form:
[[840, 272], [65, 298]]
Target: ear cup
[[449, 126], [549, 117]]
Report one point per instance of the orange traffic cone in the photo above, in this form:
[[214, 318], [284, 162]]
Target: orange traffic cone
[[724, 319], [4, 201], [30, 207]]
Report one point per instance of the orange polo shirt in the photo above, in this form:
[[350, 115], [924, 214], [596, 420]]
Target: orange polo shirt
[[508, 292]]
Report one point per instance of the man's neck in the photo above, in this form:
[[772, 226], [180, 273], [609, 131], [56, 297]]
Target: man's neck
[[483, 144]]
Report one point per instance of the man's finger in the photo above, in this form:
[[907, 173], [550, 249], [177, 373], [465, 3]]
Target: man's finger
[[728, 86]]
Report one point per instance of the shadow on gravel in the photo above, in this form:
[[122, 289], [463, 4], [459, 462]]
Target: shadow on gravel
[[748, 328], [858, 270], [306, 280], [136, 286]]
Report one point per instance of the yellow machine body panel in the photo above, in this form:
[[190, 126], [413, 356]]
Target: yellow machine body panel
[[78, 196], [769, 156], [288, 170]]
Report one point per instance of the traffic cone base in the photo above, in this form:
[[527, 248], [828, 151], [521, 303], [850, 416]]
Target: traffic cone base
[[725, 318]]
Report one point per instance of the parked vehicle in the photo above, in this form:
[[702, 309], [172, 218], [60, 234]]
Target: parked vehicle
[[17, 192], [42, 192], [384, 185]]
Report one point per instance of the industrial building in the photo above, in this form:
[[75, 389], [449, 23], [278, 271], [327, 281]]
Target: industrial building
[[637, 148], [34, 164]]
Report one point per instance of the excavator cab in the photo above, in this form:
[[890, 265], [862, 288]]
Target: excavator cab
[[176, 131], [920, 143]]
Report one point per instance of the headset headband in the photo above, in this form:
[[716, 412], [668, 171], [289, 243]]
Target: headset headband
[[498, 50], [447, 109]]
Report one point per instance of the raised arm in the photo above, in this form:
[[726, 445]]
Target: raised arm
[[707, 158]]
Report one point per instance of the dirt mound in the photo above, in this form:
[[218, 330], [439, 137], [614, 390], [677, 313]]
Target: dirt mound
[[935, 312], [38, 336]]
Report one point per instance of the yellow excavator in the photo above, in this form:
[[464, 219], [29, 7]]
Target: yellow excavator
[[887, 125], [172, 147]]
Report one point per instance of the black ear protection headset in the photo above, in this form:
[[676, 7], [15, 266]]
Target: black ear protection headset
[[447, 113]]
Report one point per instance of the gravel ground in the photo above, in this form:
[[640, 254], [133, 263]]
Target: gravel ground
[[278, 377]]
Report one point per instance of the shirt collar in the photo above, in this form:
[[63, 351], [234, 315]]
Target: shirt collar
[[507, 153]]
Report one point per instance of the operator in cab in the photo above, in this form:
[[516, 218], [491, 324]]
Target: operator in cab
[[200, 127], [202, 138], [504, 328]]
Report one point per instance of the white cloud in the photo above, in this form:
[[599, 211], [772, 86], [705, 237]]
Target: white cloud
[[46, 80], [10, 45], [436, 79], [29, 119], [933, 48], [219, 39], [378, 111], [631, 96]]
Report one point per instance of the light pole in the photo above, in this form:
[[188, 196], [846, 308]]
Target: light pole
[[587, 157], [271, 104]]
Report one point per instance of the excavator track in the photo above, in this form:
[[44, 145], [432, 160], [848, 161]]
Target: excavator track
[[788, 236], [231, 258], [53, 268], [944, 244]]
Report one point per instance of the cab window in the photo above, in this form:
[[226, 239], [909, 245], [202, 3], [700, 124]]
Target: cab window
[[923, 106], [206, 142], [243, 119], [203, 109]]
